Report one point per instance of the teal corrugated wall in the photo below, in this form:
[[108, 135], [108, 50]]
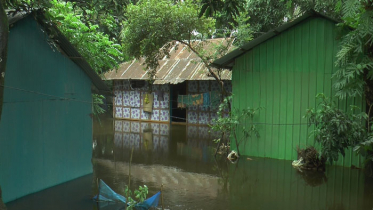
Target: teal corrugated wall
[[283, 75], [44, 140]]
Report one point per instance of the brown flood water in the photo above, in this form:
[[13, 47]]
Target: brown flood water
[[181, 158]]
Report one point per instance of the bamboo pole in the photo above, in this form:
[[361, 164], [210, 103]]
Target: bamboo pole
[[162, 196], [129, 173], [129, 176]]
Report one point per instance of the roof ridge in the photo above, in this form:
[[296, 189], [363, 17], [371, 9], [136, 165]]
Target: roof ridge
[[227, 59], [66, 47]]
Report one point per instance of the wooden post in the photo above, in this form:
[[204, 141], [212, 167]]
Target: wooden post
[[129, 177], [98, 188], [129, 173], [162, 196]]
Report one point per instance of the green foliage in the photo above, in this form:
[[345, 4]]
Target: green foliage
[[97, 101], [335, 129], [26, 5], [224, 11], [355, 58], [152, 24], [266, 14], [101, 52], [140, 196], [238, 124], [365, 148], [141, 193], [243, 32], [108, 14], [269, 14]]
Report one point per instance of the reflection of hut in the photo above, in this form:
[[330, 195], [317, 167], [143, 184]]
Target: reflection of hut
[[181, 74], [150, 136], [142, 135]]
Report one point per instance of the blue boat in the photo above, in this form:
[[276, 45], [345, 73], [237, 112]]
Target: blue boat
[[107, 197]]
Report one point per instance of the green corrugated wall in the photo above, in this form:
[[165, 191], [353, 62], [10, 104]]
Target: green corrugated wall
[[283, 75], [44, 140]]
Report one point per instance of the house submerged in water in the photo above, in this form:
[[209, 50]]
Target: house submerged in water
[[46, 125], [181, 75], [283, 71]]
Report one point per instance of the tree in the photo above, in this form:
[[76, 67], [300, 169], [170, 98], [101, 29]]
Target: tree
[[269, 14], [152, 25], [107, 14], [355, 61], [4, 28], [101, 52], [224, 11]]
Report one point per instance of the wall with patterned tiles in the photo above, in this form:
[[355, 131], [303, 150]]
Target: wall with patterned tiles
[[203, 115], [128, 102]]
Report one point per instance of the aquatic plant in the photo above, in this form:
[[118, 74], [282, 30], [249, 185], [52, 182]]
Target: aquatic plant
[[236, 123], [140, 196]]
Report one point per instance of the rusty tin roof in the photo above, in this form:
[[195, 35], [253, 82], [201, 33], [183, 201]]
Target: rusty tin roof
[[181, 65]]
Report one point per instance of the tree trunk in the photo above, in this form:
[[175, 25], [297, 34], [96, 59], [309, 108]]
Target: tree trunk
[[4, 31]]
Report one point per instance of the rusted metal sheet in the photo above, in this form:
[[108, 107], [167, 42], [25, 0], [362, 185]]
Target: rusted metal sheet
[[181, 65]]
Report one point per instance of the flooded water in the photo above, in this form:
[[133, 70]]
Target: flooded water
[[181, 158]]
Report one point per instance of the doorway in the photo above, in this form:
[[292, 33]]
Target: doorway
[[177, 114]]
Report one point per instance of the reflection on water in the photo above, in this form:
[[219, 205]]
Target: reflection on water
[[181, 158], [273, 184]]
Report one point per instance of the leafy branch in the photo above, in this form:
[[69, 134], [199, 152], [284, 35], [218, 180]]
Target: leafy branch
[[140, 196], [335, 129], [236, 123]]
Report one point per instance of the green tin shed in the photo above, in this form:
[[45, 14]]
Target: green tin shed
[[46, 127], [282, 71]]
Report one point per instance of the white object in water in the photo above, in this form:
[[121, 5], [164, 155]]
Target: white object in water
[[233, 156], [297, 163]]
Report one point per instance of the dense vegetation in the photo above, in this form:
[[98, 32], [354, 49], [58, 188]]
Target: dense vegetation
[[108, 32]]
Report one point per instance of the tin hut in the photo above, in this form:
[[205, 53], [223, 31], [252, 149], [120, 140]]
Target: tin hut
[[182, 74], [46, 127], [282, 71]]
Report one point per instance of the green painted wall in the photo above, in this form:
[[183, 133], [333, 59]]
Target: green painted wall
[[283, 75], [44, 139]]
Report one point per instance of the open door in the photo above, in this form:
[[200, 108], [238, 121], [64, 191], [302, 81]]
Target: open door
[[177, 114]]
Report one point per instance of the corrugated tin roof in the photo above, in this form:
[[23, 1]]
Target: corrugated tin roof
[[67, 48], [181, 65], [227, 61]]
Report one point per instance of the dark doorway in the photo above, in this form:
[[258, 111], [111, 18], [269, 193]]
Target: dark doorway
[[177, 114]]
